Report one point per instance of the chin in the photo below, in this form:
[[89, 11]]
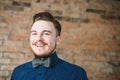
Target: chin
[[41, 55]]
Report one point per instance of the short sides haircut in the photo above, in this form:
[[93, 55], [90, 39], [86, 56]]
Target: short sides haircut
[[48, 17]]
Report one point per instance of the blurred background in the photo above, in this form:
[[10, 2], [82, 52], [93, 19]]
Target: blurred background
[[90, 34]]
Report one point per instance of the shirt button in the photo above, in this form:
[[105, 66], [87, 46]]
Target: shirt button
[[40, 74]]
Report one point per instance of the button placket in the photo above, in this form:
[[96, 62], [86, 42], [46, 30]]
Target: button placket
[[41, 73]]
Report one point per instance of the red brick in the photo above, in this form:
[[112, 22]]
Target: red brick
[[8, 78], [4, 73], [107, 70], [110, 47], [15, 19], [114, 22], [29, 55], [69, 25], [98, 21], [101, 58], [5, 61], [13, 55], [8, 49], [115, 58], [3, 36], [101, 76], [4, 30], [26, 50], [12, 43], [2, 78], [94, 64], [70, 46], [1, 54], [7, 67], [91, 16], [112, 77], [1, 42], [94, 42], [18, 61], [19, 38], [90, 47]]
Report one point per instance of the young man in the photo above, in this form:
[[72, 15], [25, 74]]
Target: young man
[[44, 37]]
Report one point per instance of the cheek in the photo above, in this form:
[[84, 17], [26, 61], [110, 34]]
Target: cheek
[[53, 41], [31, 39]]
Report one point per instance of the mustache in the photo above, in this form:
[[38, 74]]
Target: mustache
[[42, 42]]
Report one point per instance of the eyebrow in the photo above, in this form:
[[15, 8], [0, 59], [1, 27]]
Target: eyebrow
[[42, 31], [33, 31]]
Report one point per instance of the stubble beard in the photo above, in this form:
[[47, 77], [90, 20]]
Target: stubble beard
[[44, 55]]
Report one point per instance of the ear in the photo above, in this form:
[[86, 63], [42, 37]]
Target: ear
[[58, 40]]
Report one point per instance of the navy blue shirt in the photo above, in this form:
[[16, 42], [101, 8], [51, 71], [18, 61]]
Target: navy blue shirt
[[59, 70]]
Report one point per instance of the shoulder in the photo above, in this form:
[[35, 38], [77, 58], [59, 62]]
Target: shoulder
[[26, 65], [76, 72], [70, 65], [21, 69]]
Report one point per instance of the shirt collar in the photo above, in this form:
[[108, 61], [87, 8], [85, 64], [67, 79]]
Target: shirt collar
[[54, 59]]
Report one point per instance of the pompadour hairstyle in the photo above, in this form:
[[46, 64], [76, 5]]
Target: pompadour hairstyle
[[48, 17]]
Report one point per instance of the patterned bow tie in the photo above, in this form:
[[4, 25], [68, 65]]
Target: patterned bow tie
[[39, 62]]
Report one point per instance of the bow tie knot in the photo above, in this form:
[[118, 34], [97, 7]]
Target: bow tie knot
[[41, 62]]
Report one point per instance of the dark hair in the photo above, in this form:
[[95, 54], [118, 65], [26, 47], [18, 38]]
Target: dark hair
[[48, 17]]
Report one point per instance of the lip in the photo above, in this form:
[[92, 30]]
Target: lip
[[39, 45]]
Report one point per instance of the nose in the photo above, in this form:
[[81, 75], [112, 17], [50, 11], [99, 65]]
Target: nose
[[39, 38]]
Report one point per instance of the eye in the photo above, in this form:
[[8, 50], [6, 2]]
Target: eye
[[46, 33], [33, 33]]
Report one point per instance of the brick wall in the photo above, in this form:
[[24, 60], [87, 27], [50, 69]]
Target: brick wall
[[91, 34]]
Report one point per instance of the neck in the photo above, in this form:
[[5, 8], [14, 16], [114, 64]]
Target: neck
[[42, 58]]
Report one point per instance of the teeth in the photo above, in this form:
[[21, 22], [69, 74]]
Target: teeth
[[39, 45]]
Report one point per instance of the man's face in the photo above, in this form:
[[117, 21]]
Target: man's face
[[43, 40]]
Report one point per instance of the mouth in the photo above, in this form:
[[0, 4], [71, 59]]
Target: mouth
[[39, 44]]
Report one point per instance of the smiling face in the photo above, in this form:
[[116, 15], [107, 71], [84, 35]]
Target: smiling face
[[43, 39]]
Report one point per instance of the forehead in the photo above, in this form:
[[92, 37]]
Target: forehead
[[42, 25]]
